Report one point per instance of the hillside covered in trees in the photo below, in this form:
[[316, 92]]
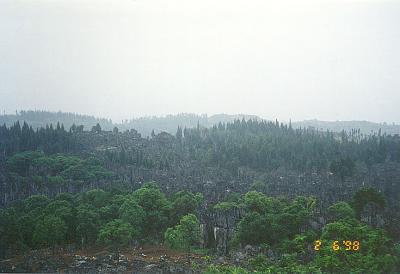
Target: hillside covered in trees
[[246, 195], [169, 123]]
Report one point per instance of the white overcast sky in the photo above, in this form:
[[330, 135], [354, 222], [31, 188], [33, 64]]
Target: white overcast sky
[[330, 60]]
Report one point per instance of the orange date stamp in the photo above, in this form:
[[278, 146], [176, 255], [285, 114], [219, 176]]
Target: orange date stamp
[[339, 245]]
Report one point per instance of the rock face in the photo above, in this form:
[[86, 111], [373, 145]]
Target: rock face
[[218, 228], [372, 214]]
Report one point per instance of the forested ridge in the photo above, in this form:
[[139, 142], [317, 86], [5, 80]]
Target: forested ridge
[[251, 143], [216, 189], [38, 119], [169, 123]]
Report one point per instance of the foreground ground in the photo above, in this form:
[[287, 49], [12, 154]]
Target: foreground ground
[[146, 259]]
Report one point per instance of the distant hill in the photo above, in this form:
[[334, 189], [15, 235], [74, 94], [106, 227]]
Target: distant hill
[[38, 119], [170, 123], [337, 126], [143, 125]]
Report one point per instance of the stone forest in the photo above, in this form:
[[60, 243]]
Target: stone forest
[[239, 196]]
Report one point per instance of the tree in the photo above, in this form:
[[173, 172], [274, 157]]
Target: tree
[[183, 202], [95, 197], [10, 230], [72, 128], [156, 208], [79, 128], [65, 212], [96, 128], [374, 254], [271, 220], [20, 162], [179, 134], [184, 235], [131, 212], [257, 201], [36, 202], [340, 210], [255, 228], [88, 223], [295, 214], [49, 231], [116, 234]]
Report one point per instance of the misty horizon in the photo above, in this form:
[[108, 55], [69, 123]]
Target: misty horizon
[[204, 115], [286, 60]]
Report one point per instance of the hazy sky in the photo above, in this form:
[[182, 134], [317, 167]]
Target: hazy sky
[[330, 60]]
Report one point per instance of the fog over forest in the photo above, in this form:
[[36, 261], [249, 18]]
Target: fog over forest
[[199, 137]]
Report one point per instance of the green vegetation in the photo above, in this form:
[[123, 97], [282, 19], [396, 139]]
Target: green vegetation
[[132, 213], [225, 206], [49, 139], [112, 219], [49, 231], [341, 210], [156, 208], [271, 220], [116, 234], [54, 170], [259, 145], [275, 224], [184, 235], [376, 253], [117, 219], [231, 156], [184, 202]]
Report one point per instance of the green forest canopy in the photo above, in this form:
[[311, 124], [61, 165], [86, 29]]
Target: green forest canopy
[[113, 219]]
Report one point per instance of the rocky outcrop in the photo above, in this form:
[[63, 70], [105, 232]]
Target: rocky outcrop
[[217, 227]]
